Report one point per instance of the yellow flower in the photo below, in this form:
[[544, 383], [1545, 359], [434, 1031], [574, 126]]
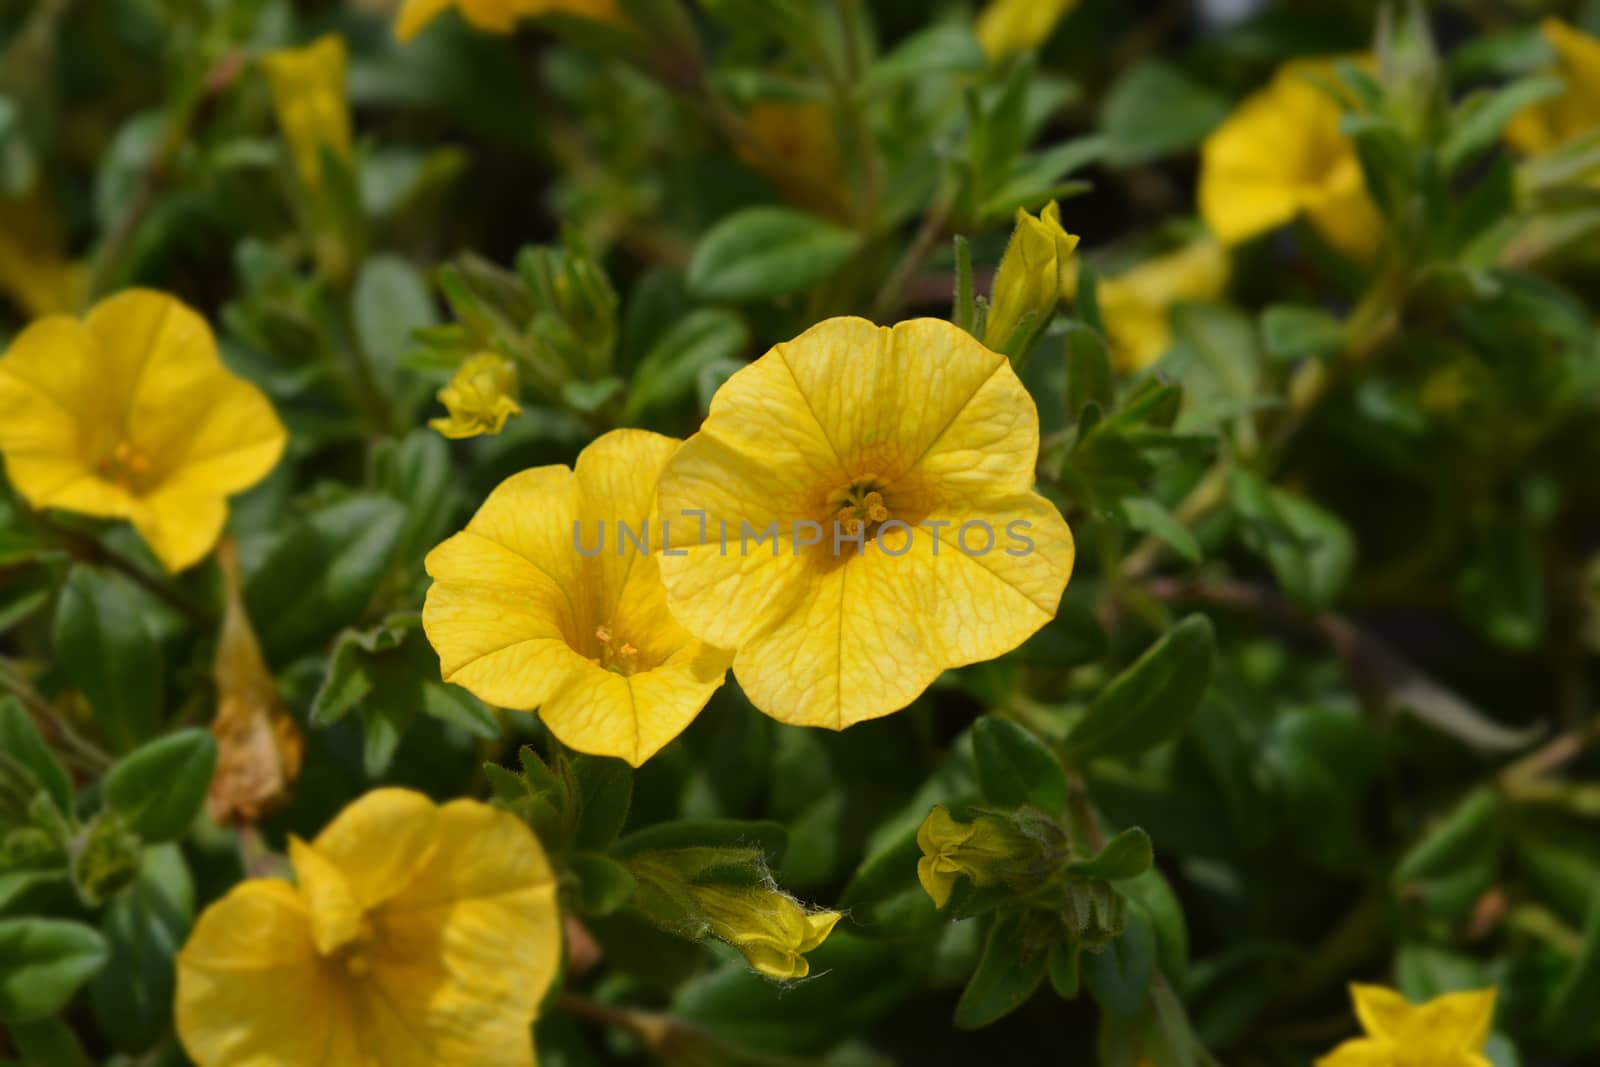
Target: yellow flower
[[129, 414], [259, 747], [981, 850], [481, 396], [1549, 124], [1134, 305], [883, 478], [1448, 1031], [417, 935], [771, 929], [308, 95], [1007, 27], [1281, 154], [34, 269], [545, 601], [1033, 274], [498, 16]]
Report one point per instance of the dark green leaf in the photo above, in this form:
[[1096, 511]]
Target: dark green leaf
[[604, 885], [1152, 700], [769, 837], [1120, 975], [1128, 855], [159, 788], [605, 787], [19, 741], [1006, 977], [671, 369], [1089, 377], [1016, 769], [1309, 549], [42, 964], [145, 926], [104, 641]]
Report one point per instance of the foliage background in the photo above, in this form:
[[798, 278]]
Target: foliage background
[[1386, 776]]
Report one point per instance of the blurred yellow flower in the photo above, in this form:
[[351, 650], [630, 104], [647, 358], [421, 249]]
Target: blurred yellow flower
[[309, 97], [129, 414], [1134, 305], [978, 850], [498, 16], [1551, 123], [34, 269], [795, 147], [545, 602], [1281, 154], [481, 396], [416, 936], [864, 519], [771, 929], [1448, 1031], [259, 746], [1032, 276], [1007, 27]]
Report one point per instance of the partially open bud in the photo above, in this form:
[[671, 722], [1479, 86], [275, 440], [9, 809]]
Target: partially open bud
[[1030, 280], [1015, 849], [481, 396], [106, 856], [259, 747]]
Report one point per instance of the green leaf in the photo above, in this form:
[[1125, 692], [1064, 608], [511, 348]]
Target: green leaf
[[945, 47], [669, 372], [1501, 587], [1457, 860], [1156, 110], [763, 252], [1569, 1018], [390, 299], [1005, 979], [1066, 969], [1016, 769], [1218, 360], [145, 926], [1148, 515], [605, 789], [417, 469], [47, 1042], [604, 885], [1151, 701], [1294, 331], [769, 837], [1309, 549], [320, 573], [159, 788], [1128, 855], [42, 964], [19, 741], [1119, 976], [1089, 375], [106, 647], [1482, 116]]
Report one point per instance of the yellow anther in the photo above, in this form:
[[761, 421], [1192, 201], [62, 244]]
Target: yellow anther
[[603, 633], [626, 651]]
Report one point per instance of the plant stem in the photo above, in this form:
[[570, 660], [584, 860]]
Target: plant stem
[[88, 550], [82, 752], [892, 295]]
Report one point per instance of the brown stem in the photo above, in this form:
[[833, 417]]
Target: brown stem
[[83, 753], [892, 295], [88, 550]]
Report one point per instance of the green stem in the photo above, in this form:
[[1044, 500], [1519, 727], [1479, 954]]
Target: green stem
[[892, 296], [79, 750]]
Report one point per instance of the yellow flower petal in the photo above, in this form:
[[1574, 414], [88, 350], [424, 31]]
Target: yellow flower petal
[[336, 914], [945, 432], [1448, 1031], [1383, 1012], [415, 14], [308, 94], [380, 842], [498, 16], [1134, 305], [252, 991], [132, 415], [1548, 124], [464, 954], [480, 397], [530, 610], [1007, 27]]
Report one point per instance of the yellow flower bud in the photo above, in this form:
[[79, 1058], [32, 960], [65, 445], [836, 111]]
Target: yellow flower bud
[[770, 928], [1007, 27], [480, 397], [986, 850], [1031, 275], [308, 96]]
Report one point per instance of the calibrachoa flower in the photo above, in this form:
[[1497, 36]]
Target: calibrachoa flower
[[1448, 1031], [1032, 276], [916, 441], [129, 414], [542, 602], [1007, 27], [416, 935], [480, 397], [497, 16], [771, 929], [308, 96], [1134, 305], [1551, 123], [1281, 154], [983, 850]]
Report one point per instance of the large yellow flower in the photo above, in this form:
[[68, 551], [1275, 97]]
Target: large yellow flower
[[1549, 124], [308, 96], [545, 601], [1135, 305], [889, 474], [498, 16], [1007, 27], [416, 936], [1448, 1031], [129, 414], [1281, 154]]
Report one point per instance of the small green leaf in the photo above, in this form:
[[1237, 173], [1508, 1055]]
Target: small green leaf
[[19, 741], [390, 299], [1119, 976], [768, 837], [1479, 119], [103, 639], [763, 252], [604, 885], [1128, 855], [1156, 110], [46, 1042], [670, 371], [42, 964], [1089, 375], [159, 788], [1152, 700], [1294, 331], [145, 926], [939, 49], [1147, 515], [605, 789], [1310, 550], [1016, 769], [1066, 969], [1569, 1014], [1005, 977]]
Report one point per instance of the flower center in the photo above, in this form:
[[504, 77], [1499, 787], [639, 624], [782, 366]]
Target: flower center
[[127, 466], [617, 656], [860, 510], [356, 954]]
